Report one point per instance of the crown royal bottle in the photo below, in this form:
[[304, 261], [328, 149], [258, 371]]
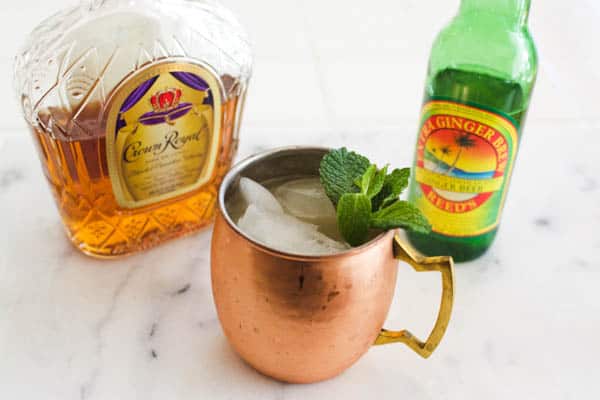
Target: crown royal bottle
[[481, 74], [135, 108]]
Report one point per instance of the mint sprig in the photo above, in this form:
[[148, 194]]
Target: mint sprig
[[367, 197]]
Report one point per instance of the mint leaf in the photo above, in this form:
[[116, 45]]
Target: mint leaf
[[363, 182], [393, 186], [339, 169], [377, 182], [400, 214], [353, 217], [372, 180]]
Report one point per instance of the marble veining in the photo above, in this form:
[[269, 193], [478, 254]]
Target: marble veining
[[88, 386]]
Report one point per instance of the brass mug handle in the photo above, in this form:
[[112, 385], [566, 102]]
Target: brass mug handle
[[443, 264]]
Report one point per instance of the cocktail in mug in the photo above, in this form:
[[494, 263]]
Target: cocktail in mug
[[295, 301]]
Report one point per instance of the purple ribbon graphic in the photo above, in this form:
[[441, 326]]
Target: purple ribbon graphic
[[194, 81], [132, 99], [154, 118]]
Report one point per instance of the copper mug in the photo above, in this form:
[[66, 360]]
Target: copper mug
[[301, 318]]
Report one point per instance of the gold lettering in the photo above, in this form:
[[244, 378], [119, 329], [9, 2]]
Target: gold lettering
[[470, 126], [173, 140], [431, 195], [439, 122], [448, 206], [427, 128], [460, 207], [480, 129], [502, 166], [457, 123], [498, 142]]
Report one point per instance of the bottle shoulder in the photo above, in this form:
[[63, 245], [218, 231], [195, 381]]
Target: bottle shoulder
[[502, 50], [96, 44]]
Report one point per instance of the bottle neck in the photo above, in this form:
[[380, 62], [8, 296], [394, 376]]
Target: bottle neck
[[514, 11]]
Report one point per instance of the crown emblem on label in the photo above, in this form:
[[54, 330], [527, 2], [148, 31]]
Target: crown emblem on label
[[166, 100]]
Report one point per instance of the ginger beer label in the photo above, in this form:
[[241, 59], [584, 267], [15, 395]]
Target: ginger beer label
[[463, 165], [162, 132]]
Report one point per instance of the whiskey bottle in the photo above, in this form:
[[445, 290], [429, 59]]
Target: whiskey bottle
[[135, 107]]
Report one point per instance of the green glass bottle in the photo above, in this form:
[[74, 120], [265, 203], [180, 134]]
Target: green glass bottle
[[482, 70]]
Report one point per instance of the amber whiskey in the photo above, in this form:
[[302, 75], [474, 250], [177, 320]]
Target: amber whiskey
[[136, 128]]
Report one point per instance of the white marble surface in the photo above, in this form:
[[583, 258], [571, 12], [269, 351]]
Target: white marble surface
[[526, 323]]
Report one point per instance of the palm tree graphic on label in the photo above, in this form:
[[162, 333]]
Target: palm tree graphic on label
[[463, 141]]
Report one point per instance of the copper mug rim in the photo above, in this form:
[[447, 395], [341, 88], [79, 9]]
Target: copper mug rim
[[235, 171]]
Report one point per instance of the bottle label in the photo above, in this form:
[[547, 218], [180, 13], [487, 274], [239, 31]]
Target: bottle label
[[463, 166], [163, 129]]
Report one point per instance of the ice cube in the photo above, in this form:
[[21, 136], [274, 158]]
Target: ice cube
[[305, 198], [254, 193], [286, 233]]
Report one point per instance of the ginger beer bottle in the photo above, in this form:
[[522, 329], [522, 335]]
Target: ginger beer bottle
[[481, 74]]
